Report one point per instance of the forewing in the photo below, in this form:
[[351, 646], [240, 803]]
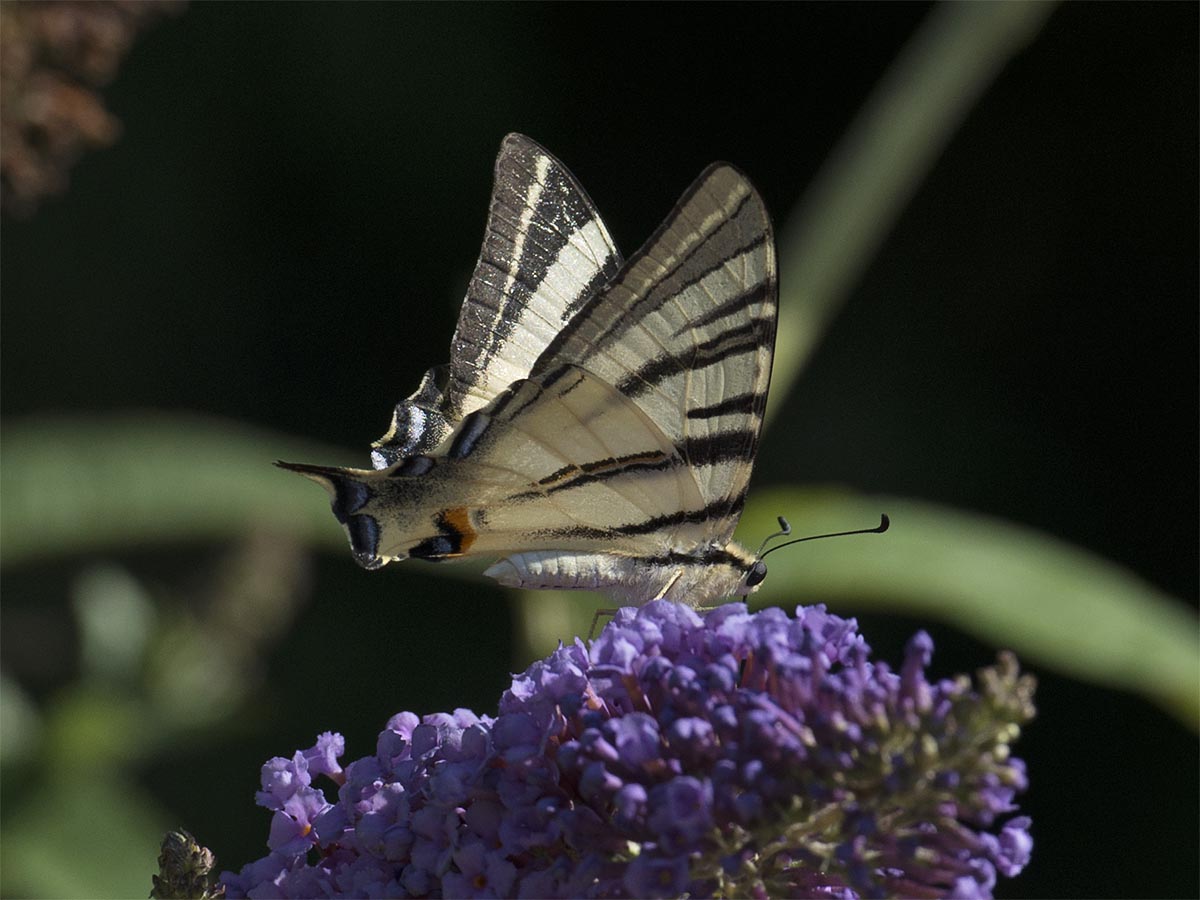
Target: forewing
[[687, 331], [546, 251]]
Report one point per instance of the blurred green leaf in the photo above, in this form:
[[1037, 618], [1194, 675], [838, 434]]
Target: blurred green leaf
[[116, 617], [20, 722], [147, 478], [93, 722], [1050, 601], [76, 836]]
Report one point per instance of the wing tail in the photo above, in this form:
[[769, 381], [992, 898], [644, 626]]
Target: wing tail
[[350, 492]]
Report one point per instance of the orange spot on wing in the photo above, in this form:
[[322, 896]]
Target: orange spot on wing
[[459, 519]]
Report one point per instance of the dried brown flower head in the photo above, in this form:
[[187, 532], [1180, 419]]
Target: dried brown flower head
[[53, 58]]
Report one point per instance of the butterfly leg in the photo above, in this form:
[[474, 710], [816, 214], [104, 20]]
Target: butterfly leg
[[666, 589], [596, 618]]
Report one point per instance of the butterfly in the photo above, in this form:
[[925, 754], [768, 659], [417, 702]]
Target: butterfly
[[597, 424]]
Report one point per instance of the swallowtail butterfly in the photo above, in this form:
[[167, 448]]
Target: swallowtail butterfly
[[597, 423]]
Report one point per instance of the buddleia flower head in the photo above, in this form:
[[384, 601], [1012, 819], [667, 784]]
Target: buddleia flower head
[[731, 754]]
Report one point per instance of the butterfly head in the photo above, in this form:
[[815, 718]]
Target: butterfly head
[[754, 576], [719, 573], [756, 569], [749, 570]]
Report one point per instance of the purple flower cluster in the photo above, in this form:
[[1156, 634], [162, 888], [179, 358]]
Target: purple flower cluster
[[733, 754]]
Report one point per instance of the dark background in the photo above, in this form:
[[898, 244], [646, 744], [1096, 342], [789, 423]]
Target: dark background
[[284, 231]]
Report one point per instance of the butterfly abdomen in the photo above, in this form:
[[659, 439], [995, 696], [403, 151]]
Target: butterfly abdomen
[[550, 570], [697, 580]]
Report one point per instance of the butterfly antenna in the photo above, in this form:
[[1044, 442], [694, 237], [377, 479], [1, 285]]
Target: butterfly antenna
[[784, 530], [884, 524]]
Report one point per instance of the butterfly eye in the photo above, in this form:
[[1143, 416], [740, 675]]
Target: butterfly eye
[[757, 573]]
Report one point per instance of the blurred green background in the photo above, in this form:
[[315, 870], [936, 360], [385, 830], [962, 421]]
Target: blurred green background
[[275, 249]]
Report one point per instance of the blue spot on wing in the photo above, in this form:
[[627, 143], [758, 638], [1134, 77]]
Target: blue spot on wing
[[413, 466], [472, 429], [436, 548], [349, 496], [364, 541]]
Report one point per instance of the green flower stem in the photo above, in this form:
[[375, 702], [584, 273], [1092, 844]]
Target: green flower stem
[[881, 160]]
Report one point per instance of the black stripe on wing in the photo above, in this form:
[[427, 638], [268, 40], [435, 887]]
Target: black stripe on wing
[[739, 405], [720, 447], [734, 305], [743, 339], [570, 477], [638, 310], [716, 509], [508, 404], [696, 452], [650, 457]]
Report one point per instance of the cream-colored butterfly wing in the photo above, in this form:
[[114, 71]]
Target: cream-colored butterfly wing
[[621, 462], [687, 331]]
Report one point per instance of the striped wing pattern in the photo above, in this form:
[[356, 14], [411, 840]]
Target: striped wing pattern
[[563, 460], [597, 424], [545, 252], [687, 331]]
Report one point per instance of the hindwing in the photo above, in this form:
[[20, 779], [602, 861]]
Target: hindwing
[[546, 251]]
